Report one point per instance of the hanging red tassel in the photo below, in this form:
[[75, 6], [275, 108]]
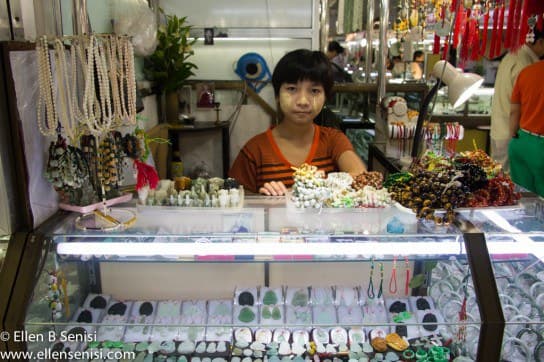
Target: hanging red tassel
[[494, 32], [511, 11], [499, 32], [146, 175], [524, 27], [454, 5], [465, 40], [515, 29], [446, 48], [459, 12], [483, 46], [436, 44], [475, 40]]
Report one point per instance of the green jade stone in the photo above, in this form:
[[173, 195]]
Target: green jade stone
[[93, 344], [246, 315], [182, 359], [270, 298], [276, 314], [391, 356], [300, 299], [266, 313]]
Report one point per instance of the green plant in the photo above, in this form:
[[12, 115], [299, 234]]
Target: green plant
[[168, 65]]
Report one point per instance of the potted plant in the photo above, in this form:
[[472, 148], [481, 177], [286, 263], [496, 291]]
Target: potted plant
[[168, 65]]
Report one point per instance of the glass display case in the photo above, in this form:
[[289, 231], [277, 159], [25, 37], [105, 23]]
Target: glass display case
[[187, 283], [514, 239]]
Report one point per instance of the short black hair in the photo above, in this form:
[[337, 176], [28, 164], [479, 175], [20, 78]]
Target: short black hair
[[417, 54], [335, 46], [303, 64]]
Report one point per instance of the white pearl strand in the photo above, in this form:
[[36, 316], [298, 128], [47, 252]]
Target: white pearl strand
[[46, 105], [104, 88], [111, 50], [89, 92], [66, 112], [75, 53], [121, 54], [131, 81]]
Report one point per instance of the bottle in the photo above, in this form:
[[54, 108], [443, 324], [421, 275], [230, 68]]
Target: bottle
[[176, 167]]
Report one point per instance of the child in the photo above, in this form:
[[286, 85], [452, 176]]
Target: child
[[302, 82]]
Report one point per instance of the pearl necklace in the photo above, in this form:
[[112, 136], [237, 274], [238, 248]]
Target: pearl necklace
[[46, 114], [75, 54], [131, 81], [88, 94], [104, 91], [66, 112], [121, 54], [111, 50]]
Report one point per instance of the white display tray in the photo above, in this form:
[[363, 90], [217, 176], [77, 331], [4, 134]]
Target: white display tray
[[333, 220], [174, 219]]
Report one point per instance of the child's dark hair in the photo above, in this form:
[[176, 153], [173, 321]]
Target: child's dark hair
[[303, 64], [335, 46]]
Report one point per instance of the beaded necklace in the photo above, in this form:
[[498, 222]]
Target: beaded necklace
[[131, 81], [67, 118], [111, 52], [88, 94], [46, 111]]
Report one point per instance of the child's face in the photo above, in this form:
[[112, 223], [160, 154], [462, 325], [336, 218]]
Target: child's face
[[301, 102]]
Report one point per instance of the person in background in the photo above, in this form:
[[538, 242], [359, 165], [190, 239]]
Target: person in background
[[336, 54], [337, 57], [416, 67], [398, 67], [526, 149], [509, 68], [302, 82]]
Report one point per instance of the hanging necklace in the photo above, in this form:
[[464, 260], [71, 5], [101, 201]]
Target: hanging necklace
[[130, 81], [75, 54], [104, 90], [111, 50], [393, 280], [407, 282], [121, 61], [88, 94], [67, 118], [46, 114], [380, 289], [370, 289]]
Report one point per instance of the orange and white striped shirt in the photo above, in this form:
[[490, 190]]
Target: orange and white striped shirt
[[261, 160]]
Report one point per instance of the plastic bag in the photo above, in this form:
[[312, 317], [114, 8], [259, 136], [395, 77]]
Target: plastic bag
[[136, 19]]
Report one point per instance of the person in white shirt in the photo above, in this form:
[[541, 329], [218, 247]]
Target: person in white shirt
[[509, 69]]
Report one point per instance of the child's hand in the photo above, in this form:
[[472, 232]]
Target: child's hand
[[273, 188]]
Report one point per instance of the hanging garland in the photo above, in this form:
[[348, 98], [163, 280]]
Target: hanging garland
[[480, 27]]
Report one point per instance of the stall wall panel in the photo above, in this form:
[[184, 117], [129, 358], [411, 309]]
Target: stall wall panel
[[243, 13], [160, 281]]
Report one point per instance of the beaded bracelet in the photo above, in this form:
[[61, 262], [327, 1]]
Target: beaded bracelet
[[421, 354], [408, 354]]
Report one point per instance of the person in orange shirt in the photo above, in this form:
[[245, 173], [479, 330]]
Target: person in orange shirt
[[302, 82], [526, 149]]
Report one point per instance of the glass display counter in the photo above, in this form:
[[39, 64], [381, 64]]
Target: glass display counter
[[514, 237], [294, 284]]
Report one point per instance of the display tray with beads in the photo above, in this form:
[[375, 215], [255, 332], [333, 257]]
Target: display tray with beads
[[89, 208], [391, 219]]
